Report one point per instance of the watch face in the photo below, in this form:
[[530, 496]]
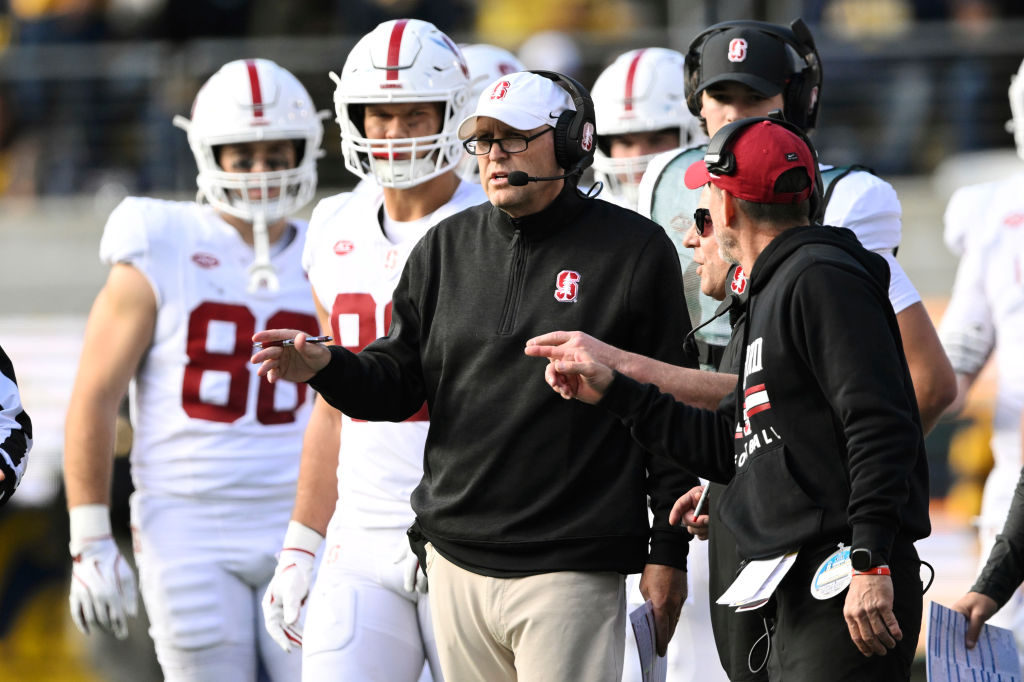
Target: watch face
[[860, 559]]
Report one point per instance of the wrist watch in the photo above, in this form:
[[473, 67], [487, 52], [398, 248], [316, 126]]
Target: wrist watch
[[863, 559]]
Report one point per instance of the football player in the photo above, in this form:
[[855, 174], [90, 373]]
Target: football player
[[402, 92], [641, 111], [982, 224], [216, 452]]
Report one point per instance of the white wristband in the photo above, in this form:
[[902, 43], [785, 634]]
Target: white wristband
[[299, 536], [89, 522]]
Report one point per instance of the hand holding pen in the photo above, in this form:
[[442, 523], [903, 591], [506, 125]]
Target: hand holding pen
[[289, 354], [691, 510]]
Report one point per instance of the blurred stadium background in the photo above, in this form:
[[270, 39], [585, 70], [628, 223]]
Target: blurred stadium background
[[916, 89]]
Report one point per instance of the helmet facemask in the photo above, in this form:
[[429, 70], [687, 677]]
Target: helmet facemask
[[401, 162]]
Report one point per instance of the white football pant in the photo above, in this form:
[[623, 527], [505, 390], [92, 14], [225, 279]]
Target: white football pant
[[361, 623], [203, 569]]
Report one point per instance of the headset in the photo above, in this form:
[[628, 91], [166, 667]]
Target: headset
[[575, 131], [575, 135], [802, 93], [720, 160]]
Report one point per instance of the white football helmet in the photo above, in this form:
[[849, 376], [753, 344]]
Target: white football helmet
[[403, 60], [251, 100], [641, 91], [486, 63], [1016, 124]]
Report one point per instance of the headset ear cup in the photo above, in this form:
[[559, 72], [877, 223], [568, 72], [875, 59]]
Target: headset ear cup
[[794, 102], [567, 151], [801, 101]]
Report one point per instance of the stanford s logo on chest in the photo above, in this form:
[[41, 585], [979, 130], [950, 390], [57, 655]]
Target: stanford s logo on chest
[[739, 281], [567, 286]]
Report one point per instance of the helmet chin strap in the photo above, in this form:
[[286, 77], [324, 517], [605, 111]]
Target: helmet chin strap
[[261, 272]]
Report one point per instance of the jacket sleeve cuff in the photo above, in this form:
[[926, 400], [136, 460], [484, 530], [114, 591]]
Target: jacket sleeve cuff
[[330, 374], [876, 537], [669, 549], [622, 396], [1003, 572]]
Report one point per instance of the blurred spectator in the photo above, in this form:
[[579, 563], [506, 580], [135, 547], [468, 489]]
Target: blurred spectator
[[510, 22], [361, 16], [18, 153], [69, 112], [932, 99]]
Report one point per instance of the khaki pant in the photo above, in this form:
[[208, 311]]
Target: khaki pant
[[553, 627]]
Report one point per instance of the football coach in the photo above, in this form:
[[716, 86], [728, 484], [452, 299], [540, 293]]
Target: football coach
[[820, 443]]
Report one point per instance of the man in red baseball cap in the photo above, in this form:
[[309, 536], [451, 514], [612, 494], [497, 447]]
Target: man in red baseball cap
[[820, 443], [764, 163]]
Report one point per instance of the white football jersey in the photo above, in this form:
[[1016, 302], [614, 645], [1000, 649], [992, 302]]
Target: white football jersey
[[986, 313], [354, 267], [205, 424]]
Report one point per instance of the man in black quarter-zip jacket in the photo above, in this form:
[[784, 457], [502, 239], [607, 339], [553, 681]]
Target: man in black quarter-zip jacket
[[820, 443], [531, 508]]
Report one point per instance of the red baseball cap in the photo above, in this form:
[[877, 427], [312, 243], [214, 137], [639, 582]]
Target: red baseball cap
[[763, 152]]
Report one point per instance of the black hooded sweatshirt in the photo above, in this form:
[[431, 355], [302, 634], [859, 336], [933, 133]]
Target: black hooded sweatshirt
[[821, 441], [516, 480]]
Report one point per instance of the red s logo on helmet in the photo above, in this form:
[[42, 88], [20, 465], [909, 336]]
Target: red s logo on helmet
[[500, 90], [567, 286]]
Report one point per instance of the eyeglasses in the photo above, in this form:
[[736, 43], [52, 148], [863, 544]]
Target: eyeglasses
[[701, 220], [481, 146]]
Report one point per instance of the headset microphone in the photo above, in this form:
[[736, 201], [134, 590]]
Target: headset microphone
[[519, 178]]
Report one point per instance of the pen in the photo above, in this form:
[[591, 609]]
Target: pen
[[699, 509], [256, 347]]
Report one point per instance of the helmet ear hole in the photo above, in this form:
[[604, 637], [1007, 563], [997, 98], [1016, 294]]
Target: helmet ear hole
[[217, 150]]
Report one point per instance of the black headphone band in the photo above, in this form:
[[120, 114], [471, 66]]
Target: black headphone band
[[720, 160]]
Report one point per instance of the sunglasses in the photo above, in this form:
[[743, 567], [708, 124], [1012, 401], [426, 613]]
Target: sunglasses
[[701, 218]]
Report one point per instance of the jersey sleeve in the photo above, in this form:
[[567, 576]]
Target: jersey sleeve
[[868, 205], [15, 430], [317, 224], [902, 293], [967, 330], [129, 236], [962, 215]]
